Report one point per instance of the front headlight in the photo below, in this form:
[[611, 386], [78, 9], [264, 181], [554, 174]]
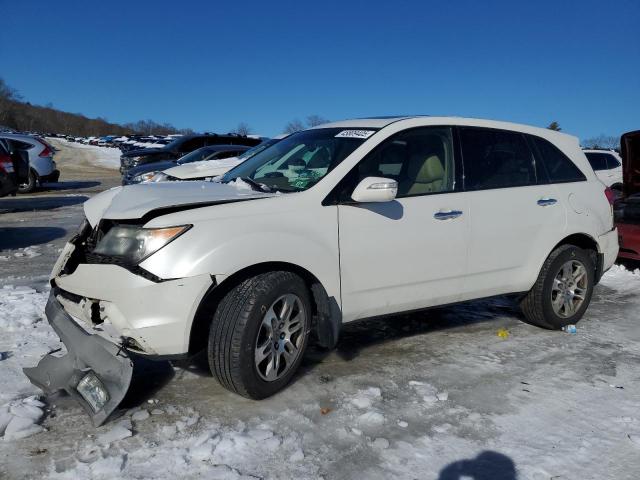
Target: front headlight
[[160, 177], [134, 244], [144, 177]]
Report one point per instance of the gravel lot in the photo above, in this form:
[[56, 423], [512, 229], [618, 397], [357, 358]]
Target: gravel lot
[[435, 395]]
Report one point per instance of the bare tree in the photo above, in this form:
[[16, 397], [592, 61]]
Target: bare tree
[[294, 126], [554, 126], [314, 120], [602, 141], [243, 129]]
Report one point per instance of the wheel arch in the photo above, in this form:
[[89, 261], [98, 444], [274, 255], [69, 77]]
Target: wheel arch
[[586, 242], [327, 316]]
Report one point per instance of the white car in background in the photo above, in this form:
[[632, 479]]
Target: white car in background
[[337, 223], [209, 169], [42, 168], [607, 165]]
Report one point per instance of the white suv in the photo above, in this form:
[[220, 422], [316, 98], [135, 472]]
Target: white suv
[[607, 165], [333, 224]]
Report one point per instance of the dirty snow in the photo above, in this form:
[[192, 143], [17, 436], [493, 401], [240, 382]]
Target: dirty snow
[[101, 156]]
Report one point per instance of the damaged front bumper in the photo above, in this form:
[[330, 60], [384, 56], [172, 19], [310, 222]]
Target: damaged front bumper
[[94, 371]]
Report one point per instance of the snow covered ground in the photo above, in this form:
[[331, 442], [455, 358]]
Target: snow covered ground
[[435, 395], [100, 156]]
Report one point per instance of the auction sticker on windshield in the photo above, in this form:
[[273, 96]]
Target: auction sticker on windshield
[[355, 134]]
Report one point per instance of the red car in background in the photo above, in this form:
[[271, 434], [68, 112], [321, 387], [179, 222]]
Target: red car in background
[[627, 208], [8, 176]]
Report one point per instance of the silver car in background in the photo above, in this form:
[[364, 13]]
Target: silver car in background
[[42, 168]]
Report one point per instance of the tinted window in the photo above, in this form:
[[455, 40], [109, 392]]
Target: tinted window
[[613, 162], [598, 161], [495, 159], [553, 165], [420, 160]]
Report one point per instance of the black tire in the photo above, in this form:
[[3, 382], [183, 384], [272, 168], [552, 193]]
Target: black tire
[[30, 186], [236, 326], [537, 304]]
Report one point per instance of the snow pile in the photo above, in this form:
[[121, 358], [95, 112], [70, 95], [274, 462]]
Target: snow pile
[[240, 185], [622, 280], [19, 419], [28, 252], [20, 307]]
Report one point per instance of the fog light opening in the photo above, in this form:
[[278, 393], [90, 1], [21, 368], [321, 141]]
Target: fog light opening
[[93, 391]]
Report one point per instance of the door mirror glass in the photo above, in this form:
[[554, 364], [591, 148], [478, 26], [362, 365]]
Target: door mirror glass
[[375, 189]]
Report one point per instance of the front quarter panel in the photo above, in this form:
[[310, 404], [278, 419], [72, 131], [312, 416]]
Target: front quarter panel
[[225, 239]]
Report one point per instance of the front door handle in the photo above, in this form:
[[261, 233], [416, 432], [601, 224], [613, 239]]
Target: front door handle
[[545, 202], [447, 215]]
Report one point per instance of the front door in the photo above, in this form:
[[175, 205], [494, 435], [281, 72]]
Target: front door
[[409, 253]]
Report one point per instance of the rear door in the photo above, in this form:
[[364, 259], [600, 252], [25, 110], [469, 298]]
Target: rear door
[[409, 253], [514, 218]]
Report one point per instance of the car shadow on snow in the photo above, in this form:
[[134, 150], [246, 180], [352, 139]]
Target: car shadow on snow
[[488, 465], [359, 335], [12, 238], [30, 204]]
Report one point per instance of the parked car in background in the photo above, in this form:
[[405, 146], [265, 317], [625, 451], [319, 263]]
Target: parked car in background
[[42, 168], [146, 172], [627, 207], [608, 166], [344, 221], [8, 177], [180, 147], [209, 167]]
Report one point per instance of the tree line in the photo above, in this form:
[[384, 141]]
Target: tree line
[[20, 115]]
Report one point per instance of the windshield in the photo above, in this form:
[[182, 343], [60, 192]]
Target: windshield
[[196, 155], [301, 160]]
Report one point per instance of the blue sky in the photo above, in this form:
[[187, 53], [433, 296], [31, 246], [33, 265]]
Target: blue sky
[[210, 65]]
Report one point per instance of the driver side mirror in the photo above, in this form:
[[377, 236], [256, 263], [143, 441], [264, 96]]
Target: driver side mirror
[[375, 189]]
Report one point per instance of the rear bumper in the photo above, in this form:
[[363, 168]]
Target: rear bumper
[[608, 248], [86, 353], [53, 177]]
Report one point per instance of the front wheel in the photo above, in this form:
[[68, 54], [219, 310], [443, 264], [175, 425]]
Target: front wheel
[[259, 333], [563, 289]]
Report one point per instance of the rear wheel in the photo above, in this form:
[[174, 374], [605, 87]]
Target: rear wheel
[[259, 333], [563, 289], [30, 185]]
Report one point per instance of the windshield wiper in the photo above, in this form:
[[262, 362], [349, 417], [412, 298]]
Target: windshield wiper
[[261, 187]]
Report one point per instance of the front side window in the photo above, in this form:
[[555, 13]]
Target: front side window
[[301, 160], [195, 156], [419, 159], [495, 159], [553, 165], [598, 161]]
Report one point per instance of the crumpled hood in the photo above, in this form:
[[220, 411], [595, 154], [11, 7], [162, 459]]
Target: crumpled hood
[[135, 201], [203, 168]]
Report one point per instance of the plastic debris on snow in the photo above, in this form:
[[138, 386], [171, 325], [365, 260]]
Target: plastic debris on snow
[[503, 333], [119, 431], [19, 419]]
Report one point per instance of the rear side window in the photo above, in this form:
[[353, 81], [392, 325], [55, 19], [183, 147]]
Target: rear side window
[[598, 161], [553, 165], [496, 159]]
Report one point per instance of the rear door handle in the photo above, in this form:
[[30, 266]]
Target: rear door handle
[[447, 215], [545, 202]]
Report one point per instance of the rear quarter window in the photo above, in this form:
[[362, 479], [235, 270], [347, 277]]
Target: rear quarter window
[[598, 161], [552, 165]]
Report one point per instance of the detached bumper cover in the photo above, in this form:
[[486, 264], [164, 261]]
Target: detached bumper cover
[[86, 353]]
